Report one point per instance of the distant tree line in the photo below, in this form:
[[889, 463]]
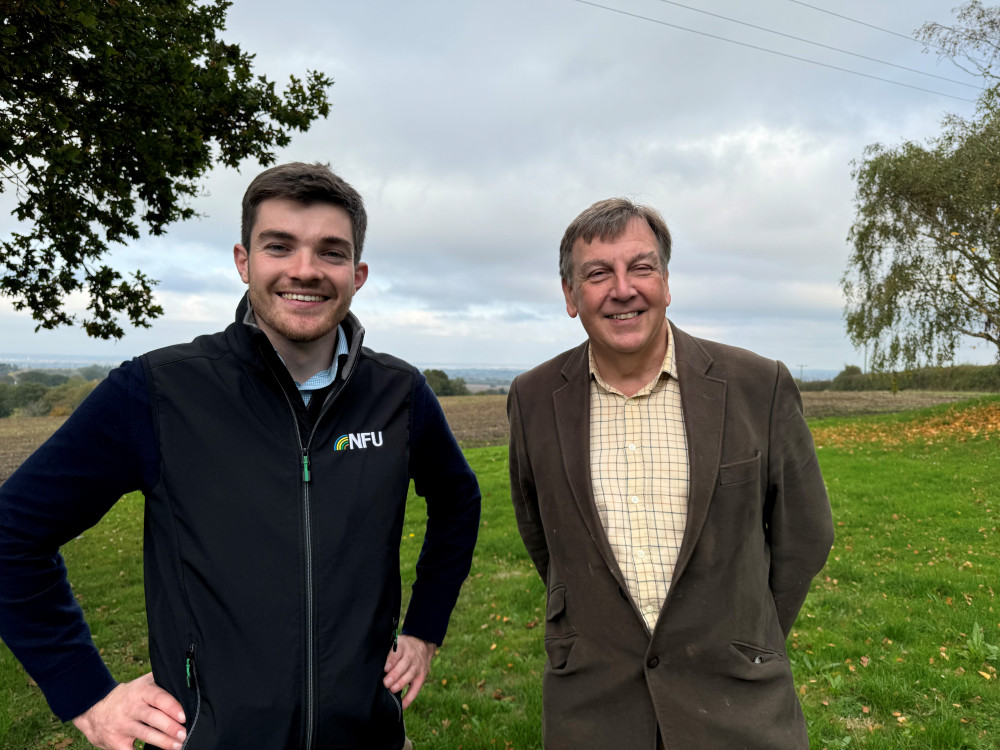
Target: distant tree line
[[442, 385], [42, 393], [984, 378]]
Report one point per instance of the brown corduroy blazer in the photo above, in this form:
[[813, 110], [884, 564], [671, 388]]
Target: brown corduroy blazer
[[714, 674]]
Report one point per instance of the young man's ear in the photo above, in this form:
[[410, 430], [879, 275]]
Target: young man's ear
[[242, 259], [360, 275]]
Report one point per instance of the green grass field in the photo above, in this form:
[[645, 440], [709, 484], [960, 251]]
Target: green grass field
[[896, 647]]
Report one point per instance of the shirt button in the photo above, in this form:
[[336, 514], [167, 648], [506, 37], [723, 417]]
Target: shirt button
[[652, 662], [641, 554], [631, 446], [635, 501]]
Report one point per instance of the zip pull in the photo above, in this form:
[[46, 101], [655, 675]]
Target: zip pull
[[395, 632], [189, 670], [305, 466]]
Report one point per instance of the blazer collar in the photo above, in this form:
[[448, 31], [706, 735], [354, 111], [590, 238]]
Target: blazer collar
[[571, 403], [704, 400]]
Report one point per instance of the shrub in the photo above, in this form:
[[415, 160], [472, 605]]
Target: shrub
[[63, 399]]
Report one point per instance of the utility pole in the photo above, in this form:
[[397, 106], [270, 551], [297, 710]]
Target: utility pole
[[801, 367]]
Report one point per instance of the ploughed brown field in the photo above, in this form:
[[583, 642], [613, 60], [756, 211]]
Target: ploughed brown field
[[482, 420]]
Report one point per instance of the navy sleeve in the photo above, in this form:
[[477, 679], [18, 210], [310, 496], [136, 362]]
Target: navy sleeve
[[104, 450], [443, 477]]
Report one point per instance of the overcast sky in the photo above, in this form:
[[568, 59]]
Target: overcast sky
[[476, 131]]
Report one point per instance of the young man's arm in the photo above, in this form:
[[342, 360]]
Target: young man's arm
[[103, 451], [443, 478]]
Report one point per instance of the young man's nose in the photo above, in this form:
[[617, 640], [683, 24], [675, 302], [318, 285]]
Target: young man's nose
[[305, 265]]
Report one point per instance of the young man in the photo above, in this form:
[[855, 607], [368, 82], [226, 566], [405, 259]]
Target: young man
[[275, 459], [667, 490]]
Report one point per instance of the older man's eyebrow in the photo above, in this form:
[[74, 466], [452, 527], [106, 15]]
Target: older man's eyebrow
[[593, 263], [650, 257]]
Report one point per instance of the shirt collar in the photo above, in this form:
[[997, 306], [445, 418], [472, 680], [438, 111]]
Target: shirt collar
[[669, 366], [323, 378]]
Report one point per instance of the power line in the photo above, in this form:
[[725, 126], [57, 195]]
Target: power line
[[820, 44], [855, 20], [774, 52], [873, 26]]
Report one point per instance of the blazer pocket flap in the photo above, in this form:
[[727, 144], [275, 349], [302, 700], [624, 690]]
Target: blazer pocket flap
[[755, 654], [556, 604], [741, 471]]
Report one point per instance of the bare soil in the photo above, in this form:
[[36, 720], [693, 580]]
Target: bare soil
[[482, 420], [19, 438], [820, 404]]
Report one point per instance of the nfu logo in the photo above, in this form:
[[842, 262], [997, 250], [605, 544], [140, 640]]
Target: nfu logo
[[354, 440]]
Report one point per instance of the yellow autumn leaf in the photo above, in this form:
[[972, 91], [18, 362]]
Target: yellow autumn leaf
[[987, 675]]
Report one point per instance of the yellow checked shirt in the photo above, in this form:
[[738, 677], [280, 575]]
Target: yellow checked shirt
[[639, 469]]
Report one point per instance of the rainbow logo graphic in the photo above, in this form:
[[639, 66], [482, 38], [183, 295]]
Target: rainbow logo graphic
[[353, 440]]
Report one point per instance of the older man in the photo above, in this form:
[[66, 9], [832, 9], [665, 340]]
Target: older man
[[667, 490], [275, 459]]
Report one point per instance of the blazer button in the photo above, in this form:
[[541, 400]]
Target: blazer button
[[623, 594], [652, 662]]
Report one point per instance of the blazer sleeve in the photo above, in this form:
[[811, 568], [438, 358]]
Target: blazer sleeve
[[522, 489], [797, 519]]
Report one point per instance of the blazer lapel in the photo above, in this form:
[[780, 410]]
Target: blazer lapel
[[571, 403], [704, 402]]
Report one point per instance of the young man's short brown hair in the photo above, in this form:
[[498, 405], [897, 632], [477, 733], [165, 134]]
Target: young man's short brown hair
[[304, 183]]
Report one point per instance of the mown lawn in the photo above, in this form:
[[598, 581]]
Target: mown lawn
[[897, 646]]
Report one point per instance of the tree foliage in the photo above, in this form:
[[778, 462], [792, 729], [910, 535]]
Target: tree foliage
[[110, 113], [442, 385], [924, 270]]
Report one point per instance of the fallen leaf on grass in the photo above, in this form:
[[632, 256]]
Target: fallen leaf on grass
[[975, 421]]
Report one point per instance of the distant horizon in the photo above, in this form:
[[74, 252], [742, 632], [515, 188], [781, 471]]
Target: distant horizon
[[55, 361]]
